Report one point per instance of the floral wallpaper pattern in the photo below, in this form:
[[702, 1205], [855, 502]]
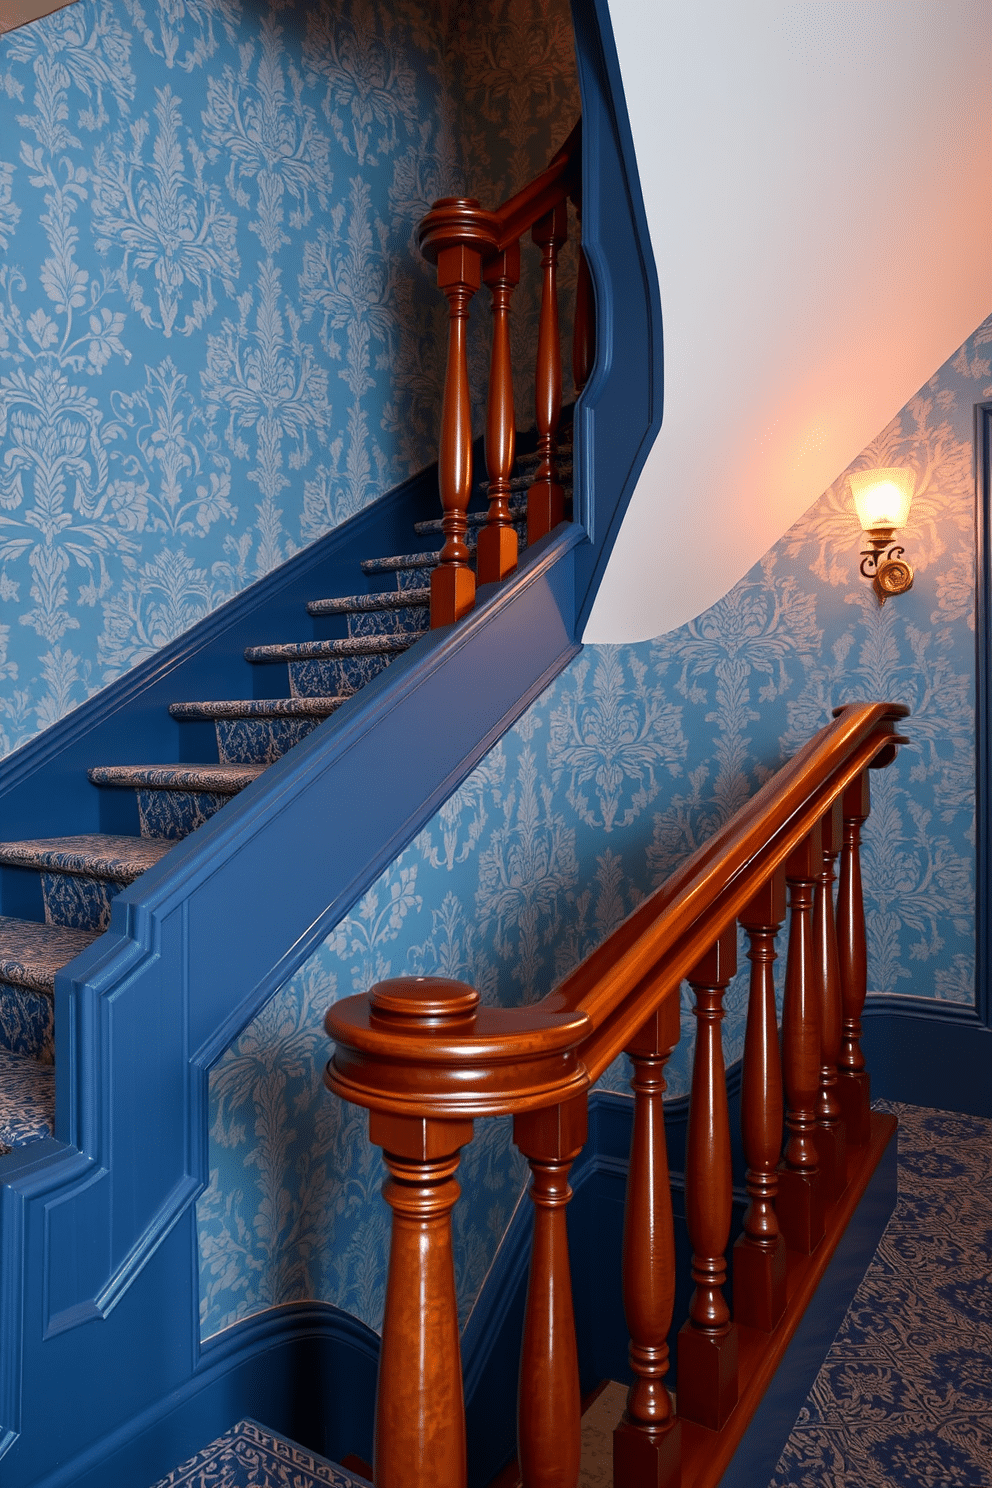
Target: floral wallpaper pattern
[[217, 336], [628, 761]]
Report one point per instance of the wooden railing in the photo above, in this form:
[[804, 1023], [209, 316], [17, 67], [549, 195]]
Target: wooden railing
[[471, 247], [427, 1058]]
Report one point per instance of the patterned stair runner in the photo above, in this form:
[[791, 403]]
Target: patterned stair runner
[[252, 1456], [70, 881]]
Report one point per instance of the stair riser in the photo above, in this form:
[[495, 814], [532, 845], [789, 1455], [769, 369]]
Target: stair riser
[[81, 903], [259, 741], [409, 620], [345, 674], [172, 815], [27, 1024]]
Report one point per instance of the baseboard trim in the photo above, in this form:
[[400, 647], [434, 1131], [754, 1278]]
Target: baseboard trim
[[307, 1369], [926, 1056]]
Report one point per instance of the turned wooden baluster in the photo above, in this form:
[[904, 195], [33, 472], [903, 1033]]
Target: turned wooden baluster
[[800, 1183], [420, 1413], [497, 552], [831, 1135], [583, 326], [647, 1443], [549, 1445], [759, 1253], [853, 1082], [546, 498], [707, 1372]]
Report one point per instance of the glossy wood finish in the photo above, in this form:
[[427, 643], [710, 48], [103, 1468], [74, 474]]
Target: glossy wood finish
[[549, 1446], [646, 1444], [497, 553], [707, 1370], [459, 274], [420, 1411], [759, 1253], [801, 1194], [425, 1048], [707, 1454], [853, 1083], [831, 1139], [545, 497], [468, 244]]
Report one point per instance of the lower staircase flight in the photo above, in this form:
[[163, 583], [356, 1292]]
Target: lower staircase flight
[[65, 885]]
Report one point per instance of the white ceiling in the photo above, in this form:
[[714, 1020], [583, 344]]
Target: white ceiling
[[816, 179]]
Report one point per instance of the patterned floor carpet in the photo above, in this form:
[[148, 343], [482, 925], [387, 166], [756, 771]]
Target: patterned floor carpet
[[904, 1398]]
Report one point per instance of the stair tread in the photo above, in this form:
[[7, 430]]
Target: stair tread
[[250, 1454], [518, 512], [376, 645], [121, 859], [223, 780], [399, 599], [315, 707], [32, 952], [27, 1100], [400, 560]]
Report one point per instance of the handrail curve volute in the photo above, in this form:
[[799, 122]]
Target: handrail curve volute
[[515, 1059]]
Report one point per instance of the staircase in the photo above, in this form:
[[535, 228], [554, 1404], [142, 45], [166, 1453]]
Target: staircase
[[66, 884]]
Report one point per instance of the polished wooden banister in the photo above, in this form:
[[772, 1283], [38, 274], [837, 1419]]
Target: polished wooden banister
[[471, 245], [427, 1057]]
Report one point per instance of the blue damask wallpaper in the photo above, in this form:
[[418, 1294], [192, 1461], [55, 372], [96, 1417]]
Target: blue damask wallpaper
[[217, 337], [629, 761]]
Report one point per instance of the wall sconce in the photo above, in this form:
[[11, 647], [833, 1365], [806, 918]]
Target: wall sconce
[[882, 499]]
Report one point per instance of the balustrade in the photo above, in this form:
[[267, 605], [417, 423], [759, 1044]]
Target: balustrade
[[472, 246], [428, 1059]]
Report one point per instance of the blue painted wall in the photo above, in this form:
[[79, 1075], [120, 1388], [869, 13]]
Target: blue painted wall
[[217, 338], [629, 760]]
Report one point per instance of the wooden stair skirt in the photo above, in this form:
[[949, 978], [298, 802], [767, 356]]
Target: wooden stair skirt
[[427, 1058]]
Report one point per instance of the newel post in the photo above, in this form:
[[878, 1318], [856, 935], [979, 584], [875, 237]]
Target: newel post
[[549, 1445], [420, 1411]]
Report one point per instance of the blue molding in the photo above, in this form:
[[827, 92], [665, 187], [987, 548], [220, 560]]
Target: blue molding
[[619, 413]]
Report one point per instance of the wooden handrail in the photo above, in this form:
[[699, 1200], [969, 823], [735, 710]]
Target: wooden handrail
[[513, 1059], [556, 183], [426, 1057]]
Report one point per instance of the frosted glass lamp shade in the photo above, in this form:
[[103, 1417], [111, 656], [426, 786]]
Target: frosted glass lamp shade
[[882, 497]]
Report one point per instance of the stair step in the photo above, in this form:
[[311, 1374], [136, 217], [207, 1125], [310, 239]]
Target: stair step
[[376, 645], [118, 859], [214, 780], [80, 875], [400, 561], [518, 511], [27, 1100], [250, 1455], [315, 707], [31, 952], [360, 603]]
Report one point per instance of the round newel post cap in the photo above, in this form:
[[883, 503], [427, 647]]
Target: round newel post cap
[[429, 1003]]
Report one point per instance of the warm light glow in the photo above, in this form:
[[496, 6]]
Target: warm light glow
[[882, 497]]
